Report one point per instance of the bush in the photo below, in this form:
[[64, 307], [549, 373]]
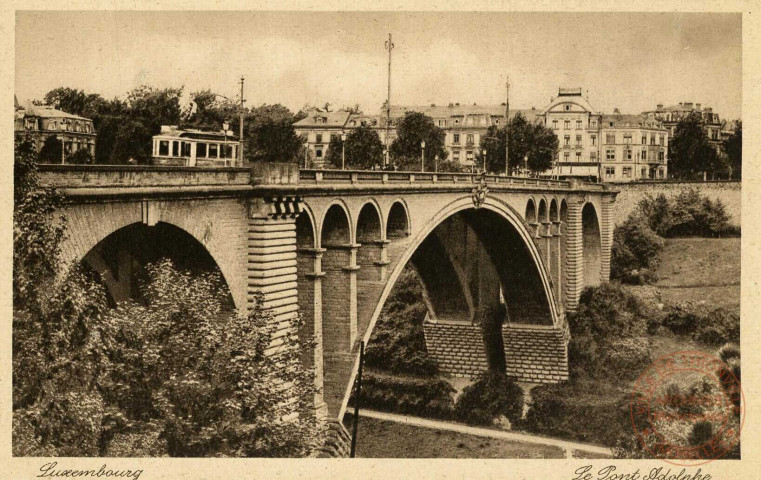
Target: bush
[[634, 253], [494, 394], [687, 214], [626, 358], [712, 327], [578, 412], [425, 397]]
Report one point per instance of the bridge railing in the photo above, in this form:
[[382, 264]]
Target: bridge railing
[[309, 176], [103, 176]]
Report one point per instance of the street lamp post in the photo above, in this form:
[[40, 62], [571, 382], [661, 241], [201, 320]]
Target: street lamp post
[[525, 165], [225, 127], [436, 163], [422, 156], [343, 150], [484, 152]]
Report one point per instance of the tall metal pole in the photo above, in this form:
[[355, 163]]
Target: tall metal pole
[[507, 122], [240, 150], [357, 397], [389, 47]]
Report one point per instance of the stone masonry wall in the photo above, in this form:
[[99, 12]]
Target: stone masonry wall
[[458, 349], [730, 194]]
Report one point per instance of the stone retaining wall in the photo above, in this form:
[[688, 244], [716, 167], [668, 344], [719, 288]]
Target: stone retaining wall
[[729, 192]]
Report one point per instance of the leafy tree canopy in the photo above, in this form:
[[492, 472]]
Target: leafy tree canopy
[[406, 150], [364, 149], [527, 140], [690, 152], [733, 148]]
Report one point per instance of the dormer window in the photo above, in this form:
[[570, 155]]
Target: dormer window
[[567, 107]]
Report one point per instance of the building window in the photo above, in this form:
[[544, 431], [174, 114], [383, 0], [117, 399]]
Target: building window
[[566, 156], [660, 173], [644, 154], [496, 122], [456, 121], [610, 138], [164, 148], [610, 154], [213, 150], [661, 156], [627, 172], [644, 139], [554, 124], [456, 138], [567, 140], [456, 155], [318, 138], [660, 139], [469, 155], [594, 123], [643, 173], [318, 153], [578, 124], [628, 138], [652, 139], [442, 123], [578, 139], [578, 156], [610, 172], [593, 156], [594, 140], [567, 124], [628, 154], [469, 138], [201, 150]]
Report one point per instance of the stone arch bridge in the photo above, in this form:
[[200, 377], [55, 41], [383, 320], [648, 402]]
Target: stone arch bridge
[[331, 244]]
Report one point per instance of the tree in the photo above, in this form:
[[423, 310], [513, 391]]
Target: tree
[[406, 150], [132, 141], [531, 140], [80, 157], [69, 100], [364, 149], [51, 150], [733, 148], [269, 135], [690, 153]]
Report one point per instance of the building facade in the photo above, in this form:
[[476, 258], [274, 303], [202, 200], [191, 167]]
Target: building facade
[[192, 147], [591, 145], [670, 117], [41, 122]]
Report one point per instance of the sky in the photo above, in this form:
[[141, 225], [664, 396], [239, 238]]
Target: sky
[[629, 61]]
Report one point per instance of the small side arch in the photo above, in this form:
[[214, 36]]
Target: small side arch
[[335, 228], [530, 215], [369, 226], [542, 214], [554, 214], [398, 221], [306, 231]]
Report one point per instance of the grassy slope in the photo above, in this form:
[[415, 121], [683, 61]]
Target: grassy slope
[[701, 269], [373, 441]]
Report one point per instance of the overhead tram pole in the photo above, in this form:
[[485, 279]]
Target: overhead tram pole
[[240, 148], [389, 47], [507, 123]]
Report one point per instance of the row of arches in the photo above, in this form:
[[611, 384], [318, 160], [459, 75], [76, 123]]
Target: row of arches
[[541, 213], [336, 227]]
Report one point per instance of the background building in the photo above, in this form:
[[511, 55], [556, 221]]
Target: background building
[[192, 147], [634, 147], [41, 122], [670, 117]]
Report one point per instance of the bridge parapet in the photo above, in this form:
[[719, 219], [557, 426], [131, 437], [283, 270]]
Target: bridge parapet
[[111, 176], [395, 177]]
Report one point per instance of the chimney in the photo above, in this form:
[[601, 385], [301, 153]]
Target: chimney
[[688, 104], [697, 105], [616, 111], [451, 104], [457, 104], [659, 106], [433, 104]]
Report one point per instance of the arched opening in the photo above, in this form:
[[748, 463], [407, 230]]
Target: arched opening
[[398, 225], [335, 227], [530, 212], [305, 237], [371, 252], [368, 224], [591, 241], [554, 211], [120, 259], [542, 211]]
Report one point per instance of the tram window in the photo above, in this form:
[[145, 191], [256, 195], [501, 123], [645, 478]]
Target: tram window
[[213, 150], [175, 149], [201, 150], [163, 148]]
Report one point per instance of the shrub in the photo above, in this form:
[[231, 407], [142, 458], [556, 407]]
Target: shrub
[[578, 412], [687, 214], [492, 395], [626, 358], [634, 253], [426, 397], [729, 352], [712, 327]]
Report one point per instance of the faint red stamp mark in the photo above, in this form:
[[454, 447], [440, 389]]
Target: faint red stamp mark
[[687, 408]]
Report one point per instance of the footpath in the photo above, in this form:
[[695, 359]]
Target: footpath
[[567, 446]]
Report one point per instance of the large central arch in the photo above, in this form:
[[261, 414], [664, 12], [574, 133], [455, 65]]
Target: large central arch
[[512, 222]]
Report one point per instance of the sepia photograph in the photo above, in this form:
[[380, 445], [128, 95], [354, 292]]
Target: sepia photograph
[[377, 234]]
